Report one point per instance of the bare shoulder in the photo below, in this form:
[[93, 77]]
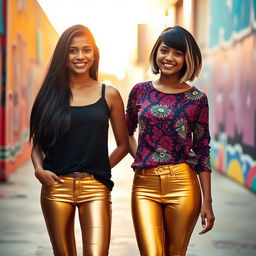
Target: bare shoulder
[[113, 97], [112, 92]]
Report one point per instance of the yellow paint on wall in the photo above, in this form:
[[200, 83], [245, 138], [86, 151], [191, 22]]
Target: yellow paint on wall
[[234, 171], [31, 39], [23, 22]]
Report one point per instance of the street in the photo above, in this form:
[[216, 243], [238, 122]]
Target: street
[[23, 232]]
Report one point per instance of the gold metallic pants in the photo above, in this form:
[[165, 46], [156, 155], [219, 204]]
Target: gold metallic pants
[[166, 203], [59, 202]]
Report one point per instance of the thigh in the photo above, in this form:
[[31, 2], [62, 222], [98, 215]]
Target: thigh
[[59, 218], [95, 221], [148, 225], [180, 217]]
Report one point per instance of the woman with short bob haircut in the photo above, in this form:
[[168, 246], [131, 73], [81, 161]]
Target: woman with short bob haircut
[[179, 38], [173, 147], [69, 130]]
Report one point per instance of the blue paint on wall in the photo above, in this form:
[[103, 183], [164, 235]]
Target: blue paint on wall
[[229, 17], [1, 18]]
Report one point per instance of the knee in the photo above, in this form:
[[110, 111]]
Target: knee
[[86, 253], [64, 251], [157, 252]]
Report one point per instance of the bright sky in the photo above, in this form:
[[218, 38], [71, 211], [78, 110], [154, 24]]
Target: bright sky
[[113, 23]]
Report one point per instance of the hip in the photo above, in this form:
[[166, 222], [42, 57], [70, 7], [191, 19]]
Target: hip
[[76, 188], [166, 181]]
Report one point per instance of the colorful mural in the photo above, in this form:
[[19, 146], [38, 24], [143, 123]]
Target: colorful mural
[[29, 31], [230, 68], [2, 82]]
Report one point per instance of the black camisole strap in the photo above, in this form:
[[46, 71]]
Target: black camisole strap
[[103, 90]]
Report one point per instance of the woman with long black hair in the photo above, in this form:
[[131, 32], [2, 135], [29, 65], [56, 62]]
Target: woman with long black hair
[[69, 130]]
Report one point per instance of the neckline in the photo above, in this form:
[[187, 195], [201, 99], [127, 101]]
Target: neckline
[[88, 105], [190, 89]]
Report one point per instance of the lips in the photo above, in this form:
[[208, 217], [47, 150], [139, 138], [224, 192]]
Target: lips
[[168, 65], [80, 64]]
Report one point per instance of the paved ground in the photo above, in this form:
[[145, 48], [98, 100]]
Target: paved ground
[[23, 233]]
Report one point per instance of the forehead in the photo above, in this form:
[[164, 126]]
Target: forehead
[[80, 41], [162, 44]]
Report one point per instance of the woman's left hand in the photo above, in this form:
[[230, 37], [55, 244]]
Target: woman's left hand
[[207, 217]]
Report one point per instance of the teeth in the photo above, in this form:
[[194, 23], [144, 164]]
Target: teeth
[[80, 65], [169, 65]]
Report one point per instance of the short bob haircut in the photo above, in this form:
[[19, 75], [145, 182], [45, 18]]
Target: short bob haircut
[[179, 38]]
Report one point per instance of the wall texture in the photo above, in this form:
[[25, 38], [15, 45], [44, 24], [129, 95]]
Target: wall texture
[[229, 77], [30, 42]]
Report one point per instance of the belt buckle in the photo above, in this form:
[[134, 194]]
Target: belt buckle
[[76, 175]]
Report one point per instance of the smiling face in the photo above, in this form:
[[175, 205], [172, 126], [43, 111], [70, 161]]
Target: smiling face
[[80, 56], [169, 60]]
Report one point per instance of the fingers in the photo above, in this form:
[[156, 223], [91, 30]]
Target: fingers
[[57, 178], [51, 178], [208, 226], [203, 221]]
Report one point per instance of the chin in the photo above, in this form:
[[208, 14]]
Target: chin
[[169, 73]]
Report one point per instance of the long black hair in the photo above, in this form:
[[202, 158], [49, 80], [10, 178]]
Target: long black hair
[[50, 117]]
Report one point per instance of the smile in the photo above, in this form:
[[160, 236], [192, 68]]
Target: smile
[[80, 64], [168, 65]]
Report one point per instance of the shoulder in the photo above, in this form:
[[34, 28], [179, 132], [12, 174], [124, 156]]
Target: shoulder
[[141, 87], [113, 97], [111, 92], [196, 95]]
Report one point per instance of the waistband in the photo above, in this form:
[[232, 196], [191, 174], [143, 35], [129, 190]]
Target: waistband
[[163, 169], [77, 175]]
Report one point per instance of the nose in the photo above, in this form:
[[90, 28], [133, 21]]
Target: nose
[[80, 55], [169, 56]]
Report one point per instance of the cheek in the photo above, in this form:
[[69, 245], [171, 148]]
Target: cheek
[[69, 62], [90, 57], [183, 60], [158, 59], [69, 59]]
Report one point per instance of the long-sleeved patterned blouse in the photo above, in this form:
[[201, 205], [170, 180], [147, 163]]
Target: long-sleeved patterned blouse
[[173, 128]]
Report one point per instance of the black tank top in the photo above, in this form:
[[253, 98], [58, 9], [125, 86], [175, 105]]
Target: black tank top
[[85, 147]]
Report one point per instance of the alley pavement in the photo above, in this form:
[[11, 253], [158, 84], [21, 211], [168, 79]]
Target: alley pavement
[[23, 232]]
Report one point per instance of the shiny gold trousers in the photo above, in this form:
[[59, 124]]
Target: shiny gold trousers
[[166, 203], [59, 202]]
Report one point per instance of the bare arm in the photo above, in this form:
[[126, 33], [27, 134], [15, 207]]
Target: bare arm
[[132, 146], [46, 177], [118, 124], [207, 215]]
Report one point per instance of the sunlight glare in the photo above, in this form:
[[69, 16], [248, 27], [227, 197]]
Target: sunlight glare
[[112, 22]]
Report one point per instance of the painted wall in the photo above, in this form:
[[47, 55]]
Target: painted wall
[[2, 80], [229, 77], [31, 39]]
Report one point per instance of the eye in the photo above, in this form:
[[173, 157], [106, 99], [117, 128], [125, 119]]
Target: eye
[[163, 50], [178, 54], [72, 51], [87, 50]]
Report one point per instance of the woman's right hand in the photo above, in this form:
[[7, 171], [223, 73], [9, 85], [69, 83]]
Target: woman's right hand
[[47, 178]]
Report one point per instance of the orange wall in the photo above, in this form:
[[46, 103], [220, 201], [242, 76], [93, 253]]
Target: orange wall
[[31, 40]]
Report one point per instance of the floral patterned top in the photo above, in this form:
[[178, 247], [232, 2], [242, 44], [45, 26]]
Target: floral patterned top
[[173, 128]]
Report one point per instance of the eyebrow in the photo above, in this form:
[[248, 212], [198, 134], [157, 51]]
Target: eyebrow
[[167, 47], [163, 46], [86, 46]]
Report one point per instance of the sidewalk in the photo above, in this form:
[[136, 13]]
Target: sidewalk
[[23, 232]]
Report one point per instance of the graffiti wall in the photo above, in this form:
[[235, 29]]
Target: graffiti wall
[[31, 40], [230, 68], [2, 79]]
